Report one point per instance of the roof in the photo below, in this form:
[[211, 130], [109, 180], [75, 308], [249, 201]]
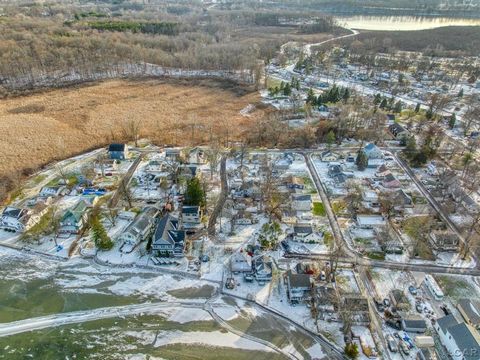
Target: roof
[[303, 229], [415, 323], [139, 225], [116, 147], [306, 197], [190, 210], [77, 211], [471, 310], [447, 321], [13, 212], [298, 280], [168, 232], [396, 128], [370, 220], [467, 340]]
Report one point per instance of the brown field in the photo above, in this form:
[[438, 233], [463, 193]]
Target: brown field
[[43, 127]]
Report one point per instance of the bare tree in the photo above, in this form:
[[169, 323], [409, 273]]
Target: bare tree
[[125, 192], [131, 130], [472, 234]]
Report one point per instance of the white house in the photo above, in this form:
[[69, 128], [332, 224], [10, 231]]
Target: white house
[[191, 215], [197, 156], [240, 263], [18, 220], [328, 156], [136, 232], [462, 341], [370, 221], [48, 191], [302, 202]]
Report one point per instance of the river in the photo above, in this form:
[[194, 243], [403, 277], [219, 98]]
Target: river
[[402, 23], [175, 325]]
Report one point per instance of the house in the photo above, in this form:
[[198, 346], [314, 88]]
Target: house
[[444, 240], [173, 154], [154, 166], [390, 182], [53, 191], [370, 198], [427, 354], [118, 151], [191, 215], [370, 221], [168, 239], [262, 267], [373, 152], [390, 119], [334, 169], [299, 286], [329, 156], [462, 341], [136, 232], [197, 156], [414, 325], [461, 197], [358, 305], [294, 183], [74, 219], [305, 233], [402, 199], [302, 202], [374, 163], [399, 300], [398, 131], [240, 263], [470, 311], [18, 219], [325, 298]]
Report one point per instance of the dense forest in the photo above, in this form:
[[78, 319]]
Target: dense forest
[[40, 43], [449, 41]]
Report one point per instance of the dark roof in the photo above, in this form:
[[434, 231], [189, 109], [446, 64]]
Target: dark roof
[[447, 321], [471, 310], [465, 341], [13, 212], [396, 128], [389, 178], [303, 229], [167, 231], [306, 197], [190, 210], [298, 280], [116, 147], [415, 323]]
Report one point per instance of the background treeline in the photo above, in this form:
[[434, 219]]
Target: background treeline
[[446, 41], [40, 42]]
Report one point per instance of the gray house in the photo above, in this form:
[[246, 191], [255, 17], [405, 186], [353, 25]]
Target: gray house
[[136, 232], [262, 267], [168, 239], [299, 286]]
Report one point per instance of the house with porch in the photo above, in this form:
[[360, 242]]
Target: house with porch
[[74, 219], [168, 239]]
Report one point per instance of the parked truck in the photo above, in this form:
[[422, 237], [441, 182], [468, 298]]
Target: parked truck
[[423, 341]]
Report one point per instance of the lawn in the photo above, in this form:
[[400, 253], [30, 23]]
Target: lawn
[[318, 209], [456, 286]]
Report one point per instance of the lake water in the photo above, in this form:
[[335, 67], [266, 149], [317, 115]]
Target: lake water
[[32, 287], [402, 23]]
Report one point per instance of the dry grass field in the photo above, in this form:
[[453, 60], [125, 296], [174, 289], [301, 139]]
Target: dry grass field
[[43, 127]]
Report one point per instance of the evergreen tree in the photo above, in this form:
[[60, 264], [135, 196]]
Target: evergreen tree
[[311, 99], [346, 95], [194, 195], [330, 138], [411, 146], [362, 160], [377, 99], [451, 121], [99, 234], [351, 350], [417, 108], [287, 90], [398, 107], [460, 93], [429, 113], [384, 103]]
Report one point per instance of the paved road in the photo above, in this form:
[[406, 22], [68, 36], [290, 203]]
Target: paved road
[[352, 257]]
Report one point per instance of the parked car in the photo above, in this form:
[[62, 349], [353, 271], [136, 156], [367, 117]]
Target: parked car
[[419, 308], [392, 345], [386, 302], [405, 348], [413, 290]]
